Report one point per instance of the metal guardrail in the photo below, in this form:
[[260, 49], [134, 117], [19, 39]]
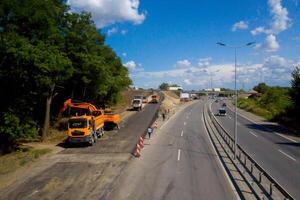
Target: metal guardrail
[[244, 158]]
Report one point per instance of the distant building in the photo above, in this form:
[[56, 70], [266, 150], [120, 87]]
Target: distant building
[[213, 90], [175, 88], [208, 90]]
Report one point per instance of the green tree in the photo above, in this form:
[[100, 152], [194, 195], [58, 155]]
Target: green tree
[[261, 88], [48, 51], [295, 89], [164, 86]]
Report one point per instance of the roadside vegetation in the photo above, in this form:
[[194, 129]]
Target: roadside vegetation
[[19, 158], [50, 54], [280, 104]]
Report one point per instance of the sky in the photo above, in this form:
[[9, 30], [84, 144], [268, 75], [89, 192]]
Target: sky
[[175, 41]]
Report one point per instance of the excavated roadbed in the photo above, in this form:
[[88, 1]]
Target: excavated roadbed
[[83, 172]]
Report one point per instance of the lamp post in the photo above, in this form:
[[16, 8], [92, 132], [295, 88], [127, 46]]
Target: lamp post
[[235, 88], [211, 77]]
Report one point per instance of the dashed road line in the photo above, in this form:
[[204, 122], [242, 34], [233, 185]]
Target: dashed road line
[[279, 134], [178, 155], [181, 133], [287, 155], [184, 123], [253, 133]]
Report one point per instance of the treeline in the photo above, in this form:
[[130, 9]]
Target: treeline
[[276, 103], [49, 54]]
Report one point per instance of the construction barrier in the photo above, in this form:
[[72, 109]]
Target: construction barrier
[[137, 152], [141, 142]]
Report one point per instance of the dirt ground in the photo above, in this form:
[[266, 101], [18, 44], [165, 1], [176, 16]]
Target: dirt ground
[[171, 101]]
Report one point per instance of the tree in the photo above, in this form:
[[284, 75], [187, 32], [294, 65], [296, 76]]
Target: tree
[[164, 86], [46, 52], [295, 89], [261, 88]]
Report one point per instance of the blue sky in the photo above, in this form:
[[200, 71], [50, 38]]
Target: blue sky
[[175, 41]]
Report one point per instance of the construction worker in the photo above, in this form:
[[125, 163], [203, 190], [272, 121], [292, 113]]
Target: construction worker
[[149, 131], [164, 116]]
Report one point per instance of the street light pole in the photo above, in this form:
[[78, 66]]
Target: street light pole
[[235, 88], [235, 107]]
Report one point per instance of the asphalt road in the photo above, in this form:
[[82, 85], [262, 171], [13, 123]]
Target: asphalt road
[[276, 154], [83, 172], [178, 162]]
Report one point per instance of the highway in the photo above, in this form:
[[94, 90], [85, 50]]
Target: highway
[[178, 162], [278, 155]]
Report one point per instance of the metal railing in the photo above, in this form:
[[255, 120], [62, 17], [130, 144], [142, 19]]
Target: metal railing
[[246, 159]]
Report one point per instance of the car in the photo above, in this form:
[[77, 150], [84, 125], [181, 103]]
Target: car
[[222, 111], [224, 105]]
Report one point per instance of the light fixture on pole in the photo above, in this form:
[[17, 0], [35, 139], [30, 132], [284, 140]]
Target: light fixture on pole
[[235, 89]]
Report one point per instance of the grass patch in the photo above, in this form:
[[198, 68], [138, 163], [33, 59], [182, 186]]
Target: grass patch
[[55, 136], [11, 162]]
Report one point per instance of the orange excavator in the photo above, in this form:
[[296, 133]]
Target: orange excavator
[[86, 123]]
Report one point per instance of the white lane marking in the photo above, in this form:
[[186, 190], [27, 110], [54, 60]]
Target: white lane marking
[[229, 117], [181, 133], [287, 155], [187, 117], [178, 155], [184, 123], [253, 133], [290, 139]]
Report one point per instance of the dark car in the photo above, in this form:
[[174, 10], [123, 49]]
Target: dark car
[[224, 105], [222, 112]]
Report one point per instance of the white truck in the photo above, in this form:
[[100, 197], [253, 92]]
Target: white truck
[[137, 103]]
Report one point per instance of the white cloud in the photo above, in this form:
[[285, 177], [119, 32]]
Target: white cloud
[[276, 61], [187, 81], [281, 20], [106, 12], [259, 30], [115, 30], [271, 43], [204, 62], [124, 32], [131, 65], [124, 54], [241, 25], [180, 64], [111, 31], [274, 70]]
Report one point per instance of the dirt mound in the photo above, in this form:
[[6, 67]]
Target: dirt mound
[[170, 102], [174, 94]]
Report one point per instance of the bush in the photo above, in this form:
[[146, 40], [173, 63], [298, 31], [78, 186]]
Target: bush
[[12, 130]]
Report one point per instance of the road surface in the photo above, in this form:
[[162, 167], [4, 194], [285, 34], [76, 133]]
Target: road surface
[[278, 155], [177, 163]]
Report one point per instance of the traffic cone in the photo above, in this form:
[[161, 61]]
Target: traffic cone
[[137, 152], [141, 142]]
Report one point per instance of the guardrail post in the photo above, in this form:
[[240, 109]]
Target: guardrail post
[[271, 188], [260, 173]]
